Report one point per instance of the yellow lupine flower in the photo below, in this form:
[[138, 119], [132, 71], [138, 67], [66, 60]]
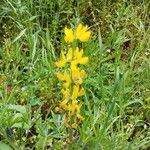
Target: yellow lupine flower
[[74, 108], [83, 60], [69, 56], [71, 109], [63, 104], [61, 62], [77, 74], [64, 59], [69, 35], [78, 57], [72, 78], [64, 77], [66, 93], [77, 92], [82, 33]]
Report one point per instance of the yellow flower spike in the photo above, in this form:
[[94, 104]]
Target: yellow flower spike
[[82, 33], [69, 114], [69, 35], [72, 77]]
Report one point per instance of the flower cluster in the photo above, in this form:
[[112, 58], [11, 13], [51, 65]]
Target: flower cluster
[[80, 33], [71, 75]]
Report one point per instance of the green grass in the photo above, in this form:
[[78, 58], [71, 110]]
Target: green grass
[[116, 105]]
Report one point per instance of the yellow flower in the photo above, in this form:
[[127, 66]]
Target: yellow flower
[[75, 58], [80, 117], [64, 59], [77, 74], [76, 92], [69, 56], [74, 108], [66, 93], [63, 104], [61, 62], [69, 35], [72, 77], [64, 77], [78, 57], [74, 125], [82, 33]]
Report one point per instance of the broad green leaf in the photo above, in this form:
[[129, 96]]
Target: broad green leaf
[[4, 146]]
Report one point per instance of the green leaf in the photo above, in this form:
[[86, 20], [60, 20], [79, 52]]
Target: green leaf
[[19, 108], [4, 146], [35, 101]]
